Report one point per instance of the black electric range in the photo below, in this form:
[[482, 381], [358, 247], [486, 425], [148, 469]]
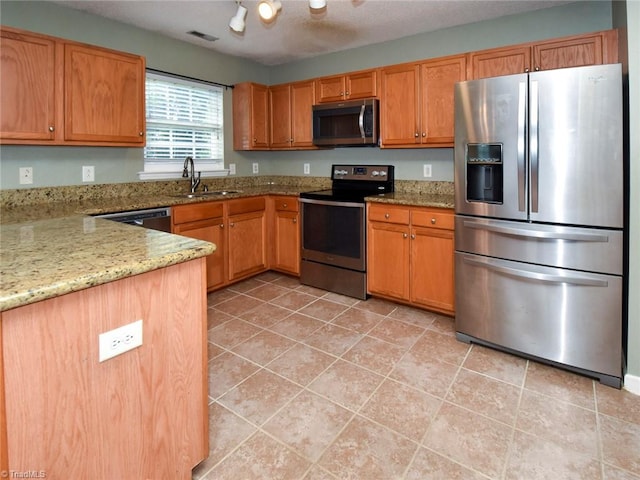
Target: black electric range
[[352, 183]]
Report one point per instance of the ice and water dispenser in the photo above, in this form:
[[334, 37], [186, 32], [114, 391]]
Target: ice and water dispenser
[[484, 172]]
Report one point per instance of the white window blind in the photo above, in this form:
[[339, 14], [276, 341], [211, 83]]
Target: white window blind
[[184, 119]]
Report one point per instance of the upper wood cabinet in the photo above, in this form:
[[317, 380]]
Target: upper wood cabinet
[[250, 116], [290, 106], [575, 51], [350, 86], [417, 102], [58, 92]]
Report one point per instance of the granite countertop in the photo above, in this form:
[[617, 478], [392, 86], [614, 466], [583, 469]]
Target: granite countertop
[[50, 246], [46, 258]]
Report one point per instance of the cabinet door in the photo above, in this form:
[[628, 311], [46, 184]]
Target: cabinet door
[[104, 96], [247, 244], [499, 61], [432, 281], [28, 87], [211, 230], [399, 105], [361, 85], [250, 117], [287, 242], [330, 89], [575, 52], [280, 108], [437, 80], [388, 260], [302, 95]]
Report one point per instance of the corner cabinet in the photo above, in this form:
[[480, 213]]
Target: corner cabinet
[[576, 51], [58, 92], [285, 237], [250, 116], [416, 108], [290, 115], [410, 255]]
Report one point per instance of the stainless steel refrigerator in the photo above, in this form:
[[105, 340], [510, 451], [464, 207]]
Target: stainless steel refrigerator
[[539, 217]]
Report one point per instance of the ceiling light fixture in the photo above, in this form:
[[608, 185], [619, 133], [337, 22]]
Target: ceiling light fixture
[[268, 9], [317, 4], [237, 22]]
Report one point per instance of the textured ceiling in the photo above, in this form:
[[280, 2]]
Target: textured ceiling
[[299, 32]]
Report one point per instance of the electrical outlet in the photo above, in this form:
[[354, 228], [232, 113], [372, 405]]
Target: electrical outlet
[[307, 168], [426, 170], [232, 169], [119, 340], [256, 168], [26, 175], [88, 174]]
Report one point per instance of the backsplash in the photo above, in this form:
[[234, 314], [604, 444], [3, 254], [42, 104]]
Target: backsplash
[[43, 195]]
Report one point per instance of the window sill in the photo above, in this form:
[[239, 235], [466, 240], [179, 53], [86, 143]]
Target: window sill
[[178, 175]]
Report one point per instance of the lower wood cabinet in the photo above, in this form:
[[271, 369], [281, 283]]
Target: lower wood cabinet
[[205, 221], [285, 237], [410, 255], [238, 228]]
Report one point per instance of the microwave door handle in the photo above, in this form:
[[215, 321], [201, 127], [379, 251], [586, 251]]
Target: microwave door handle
[[361, 120]]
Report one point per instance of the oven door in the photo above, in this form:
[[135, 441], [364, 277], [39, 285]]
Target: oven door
[[333, 233]]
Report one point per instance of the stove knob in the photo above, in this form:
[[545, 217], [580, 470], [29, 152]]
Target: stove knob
[[383, 173], [375, 173]]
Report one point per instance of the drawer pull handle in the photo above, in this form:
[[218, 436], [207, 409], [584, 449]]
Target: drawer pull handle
[[433, 221], [284, 205], [386, 215]]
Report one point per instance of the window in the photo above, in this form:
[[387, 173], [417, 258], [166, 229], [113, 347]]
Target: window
[[184, 119]]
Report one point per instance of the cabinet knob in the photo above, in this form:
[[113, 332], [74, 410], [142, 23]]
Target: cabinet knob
[[295, 220], [291, 139], [413, 236], [255, 140], [537, 69], [52, 128], [284, 205], [404, 235], [433, 221], [424, 134], [232, 224], [141, 133], [526, 70], [386, 215], [222, 225], [347, 93], [416, 135]]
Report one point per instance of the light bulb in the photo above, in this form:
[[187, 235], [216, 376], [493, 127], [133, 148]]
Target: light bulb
[[317, 4]]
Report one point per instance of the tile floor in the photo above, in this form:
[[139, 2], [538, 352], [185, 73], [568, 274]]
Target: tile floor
[[306, 384]]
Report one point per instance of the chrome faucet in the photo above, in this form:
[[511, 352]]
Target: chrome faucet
[[188, 171]]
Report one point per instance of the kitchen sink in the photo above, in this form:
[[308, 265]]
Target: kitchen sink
[[208, 194]]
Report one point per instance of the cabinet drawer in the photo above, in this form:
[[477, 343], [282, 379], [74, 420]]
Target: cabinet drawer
[[198, 211], [286, 204], [432, 218], [246, 205], [389, 214]]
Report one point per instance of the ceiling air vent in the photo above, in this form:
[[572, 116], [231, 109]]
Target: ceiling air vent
[[204, 36]]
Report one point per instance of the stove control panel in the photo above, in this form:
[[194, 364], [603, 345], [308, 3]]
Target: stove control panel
[[374, 173]]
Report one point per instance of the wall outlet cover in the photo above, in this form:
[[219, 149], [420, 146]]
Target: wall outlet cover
[[119, 340], [26, 175], [232, 169], [426, 170], [88, 174], [307, 168], [256, 168]]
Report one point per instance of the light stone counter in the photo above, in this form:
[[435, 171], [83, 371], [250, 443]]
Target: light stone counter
[[437, 200], [43, 259]]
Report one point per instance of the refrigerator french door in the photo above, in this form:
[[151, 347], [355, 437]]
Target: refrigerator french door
[[539, 216]]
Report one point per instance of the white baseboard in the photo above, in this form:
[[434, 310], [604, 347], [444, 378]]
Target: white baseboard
[[632, 383]]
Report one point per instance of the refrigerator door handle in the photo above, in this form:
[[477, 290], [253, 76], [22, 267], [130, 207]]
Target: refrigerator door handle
[[541, 277], [521, 149], [533, 143], [522, 232]]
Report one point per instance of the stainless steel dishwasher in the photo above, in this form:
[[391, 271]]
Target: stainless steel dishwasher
[[154, 218]]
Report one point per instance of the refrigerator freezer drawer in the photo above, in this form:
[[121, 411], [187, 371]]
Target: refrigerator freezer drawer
[[587, 249], [571, 318]]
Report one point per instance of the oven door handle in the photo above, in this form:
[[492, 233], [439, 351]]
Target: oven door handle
[[332, 203]]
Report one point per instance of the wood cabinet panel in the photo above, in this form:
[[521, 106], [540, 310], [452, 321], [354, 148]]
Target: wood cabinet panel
[[433, 218], [499, 61], [432, 270], [104, 96], [196, 211], [388, 260], [28, 92], [577, 52], [251, 124], [280, 108], [247, 244], [211, 230], [350, 86], [286, 238], [389, 214], [245, 205], [302, 96], [399, 109], [142, 414]]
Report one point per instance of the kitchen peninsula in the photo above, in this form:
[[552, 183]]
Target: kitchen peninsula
[[63, 412]]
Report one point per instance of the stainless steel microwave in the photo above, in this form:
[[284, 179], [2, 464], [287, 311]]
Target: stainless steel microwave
[[346, 124]]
